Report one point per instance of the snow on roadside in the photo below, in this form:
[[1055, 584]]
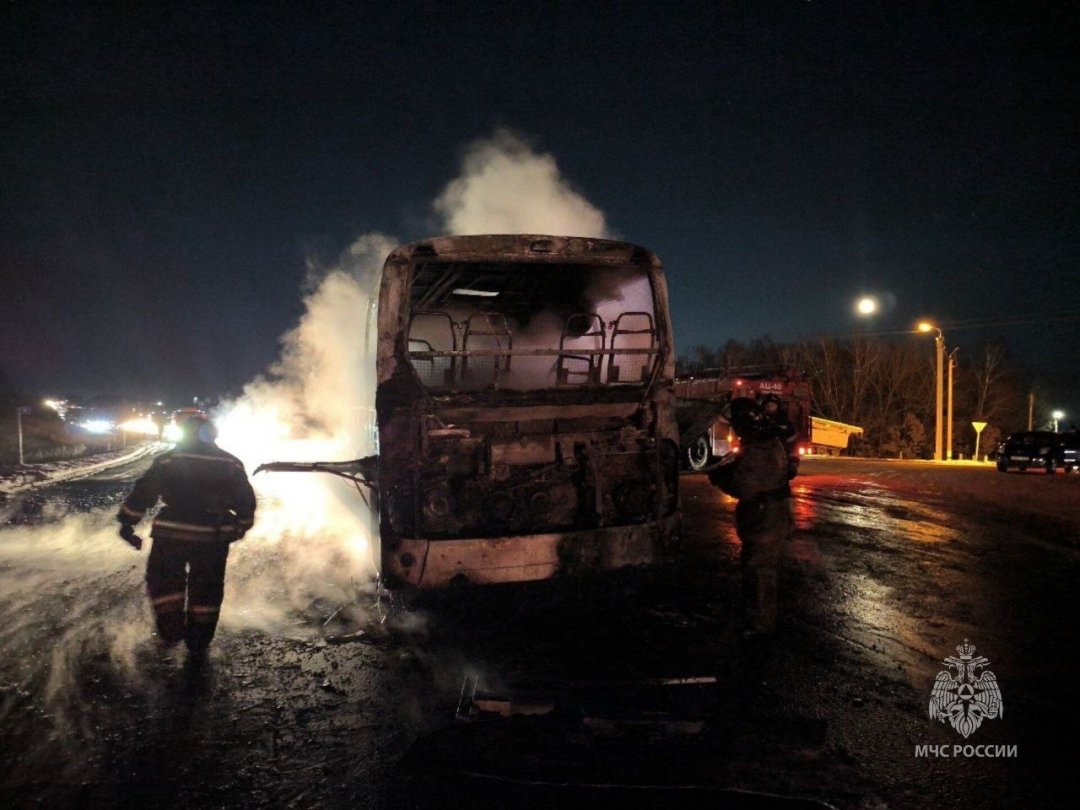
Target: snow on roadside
[[28, 476]]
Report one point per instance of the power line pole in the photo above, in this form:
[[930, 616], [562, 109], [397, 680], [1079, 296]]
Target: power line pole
[[18, 420], [949, 420]]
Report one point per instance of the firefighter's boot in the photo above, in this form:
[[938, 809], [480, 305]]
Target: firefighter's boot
[[169, 619], [201, 624]]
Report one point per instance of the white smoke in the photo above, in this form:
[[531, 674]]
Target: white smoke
[[317, 404], [506, 186]]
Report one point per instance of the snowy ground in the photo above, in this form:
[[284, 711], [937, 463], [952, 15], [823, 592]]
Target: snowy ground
[[18, 478]]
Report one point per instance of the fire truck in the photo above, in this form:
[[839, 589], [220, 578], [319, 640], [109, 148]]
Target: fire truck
[[706, 439]]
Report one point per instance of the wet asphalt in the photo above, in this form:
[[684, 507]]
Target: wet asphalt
[[628, 689]]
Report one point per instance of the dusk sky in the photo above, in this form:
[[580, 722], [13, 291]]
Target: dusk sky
[[167, 170]]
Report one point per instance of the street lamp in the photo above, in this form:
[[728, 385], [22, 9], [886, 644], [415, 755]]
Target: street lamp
[[1057, 416], [939, 344]]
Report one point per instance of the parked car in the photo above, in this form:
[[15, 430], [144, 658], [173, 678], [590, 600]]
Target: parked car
[[1067, 455], [1032, 448]]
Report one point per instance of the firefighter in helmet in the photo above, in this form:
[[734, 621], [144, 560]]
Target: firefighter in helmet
[[775, 415], [208, 504], [763, 516]]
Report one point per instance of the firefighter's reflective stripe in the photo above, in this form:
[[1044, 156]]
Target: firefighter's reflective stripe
[[207, 614], [196, 528], [247, 523], [195, 532], [127, 511], [222, 459], [169, 601]]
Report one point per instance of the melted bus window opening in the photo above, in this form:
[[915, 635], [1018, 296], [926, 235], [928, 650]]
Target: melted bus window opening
[[482, 325]]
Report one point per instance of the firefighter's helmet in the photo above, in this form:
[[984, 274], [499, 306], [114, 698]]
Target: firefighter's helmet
[[746, 418]]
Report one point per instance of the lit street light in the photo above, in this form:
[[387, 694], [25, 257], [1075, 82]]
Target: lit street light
[[939, 344], [1057, 416], [866, 306]]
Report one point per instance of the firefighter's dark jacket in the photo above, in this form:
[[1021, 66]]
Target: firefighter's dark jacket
[[206, 494]]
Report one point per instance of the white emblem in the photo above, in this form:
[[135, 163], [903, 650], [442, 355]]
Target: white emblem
[[963, 696]]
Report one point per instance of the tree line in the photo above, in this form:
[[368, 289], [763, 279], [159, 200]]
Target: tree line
[[887, 387]]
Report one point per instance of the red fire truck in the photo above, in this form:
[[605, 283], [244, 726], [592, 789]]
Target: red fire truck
[[705, 435]]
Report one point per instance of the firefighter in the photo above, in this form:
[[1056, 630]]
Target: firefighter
[[208, 504], [775, 415], [763, 516]]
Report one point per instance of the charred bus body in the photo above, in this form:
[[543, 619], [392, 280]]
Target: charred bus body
[[525, 410]]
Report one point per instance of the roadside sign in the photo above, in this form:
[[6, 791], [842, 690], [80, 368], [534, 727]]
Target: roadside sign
[[978, 432]]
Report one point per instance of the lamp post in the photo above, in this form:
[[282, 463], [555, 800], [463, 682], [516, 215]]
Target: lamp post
[[19, 412], [949, 417], [939, 344]]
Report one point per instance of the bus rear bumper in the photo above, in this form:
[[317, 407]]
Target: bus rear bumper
[[431, 564]]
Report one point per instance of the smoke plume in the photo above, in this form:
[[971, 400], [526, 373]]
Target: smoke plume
[[506, 186], [317, 402]]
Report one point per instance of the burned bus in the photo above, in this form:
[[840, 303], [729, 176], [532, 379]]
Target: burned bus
[[525, 410]]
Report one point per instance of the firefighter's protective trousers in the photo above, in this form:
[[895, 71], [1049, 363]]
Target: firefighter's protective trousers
[[764, 523], [186, 583]]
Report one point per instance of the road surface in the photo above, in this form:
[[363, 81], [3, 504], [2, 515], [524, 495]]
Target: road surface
[[626, 683]]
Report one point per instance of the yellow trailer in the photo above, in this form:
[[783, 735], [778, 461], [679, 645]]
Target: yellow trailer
[[830, 438]]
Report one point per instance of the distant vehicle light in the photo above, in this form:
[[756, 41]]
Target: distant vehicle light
[[97, 426], [172, 433], [143, 427], [803, 451]]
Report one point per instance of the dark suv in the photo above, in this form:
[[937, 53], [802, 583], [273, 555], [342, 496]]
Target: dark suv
[[1038, 448], [1067, 452]]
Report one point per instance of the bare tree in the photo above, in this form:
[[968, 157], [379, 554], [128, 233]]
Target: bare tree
[[988, 373], [887, 387]]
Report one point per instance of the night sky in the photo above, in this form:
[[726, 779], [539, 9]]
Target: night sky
[[167, 169]]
